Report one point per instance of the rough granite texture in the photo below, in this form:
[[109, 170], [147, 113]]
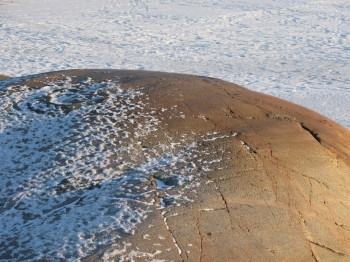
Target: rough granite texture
[[281, 191]]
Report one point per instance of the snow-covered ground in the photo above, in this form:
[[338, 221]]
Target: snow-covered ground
[[295, 49]]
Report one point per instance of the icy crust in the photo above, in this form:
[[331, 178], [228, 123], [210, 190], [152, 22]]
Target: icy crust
[[75, 175]]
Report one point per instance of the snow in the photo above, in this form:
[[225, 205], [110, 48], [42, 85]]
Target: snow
[[294, 49], [73, 182], [54, 157]]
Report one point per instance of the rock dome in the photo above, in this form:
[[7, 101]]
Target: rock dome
[[149, 166]]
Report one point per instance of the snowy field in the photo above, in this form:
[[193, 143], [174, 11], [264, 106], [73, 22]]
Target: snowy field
[[298, 50]]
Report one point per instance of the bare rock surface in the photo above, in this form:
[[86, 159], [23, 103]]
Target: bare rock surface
[[148, 166], [3, 77]]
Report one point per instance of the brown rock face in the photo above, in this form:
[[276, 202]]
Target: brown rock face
[[262, 179], [3, 77]]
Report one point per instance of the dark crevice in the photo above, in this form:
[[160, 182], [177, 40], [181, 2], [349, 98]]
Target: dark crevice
[[328, 248], [314, 135], [200, 237], [313, 254], [248, 147], [217, 188], [304, 175]]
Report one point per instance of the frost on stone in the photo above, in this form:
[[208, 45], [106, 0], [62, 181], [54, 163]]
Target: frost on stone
[[74, 175]]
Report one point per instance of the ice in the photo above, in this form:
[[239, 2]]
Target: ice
[[297, 50]]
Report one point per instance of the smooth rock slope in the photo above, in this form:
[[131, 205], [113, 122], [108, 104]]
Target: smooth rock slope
[[146, 166]]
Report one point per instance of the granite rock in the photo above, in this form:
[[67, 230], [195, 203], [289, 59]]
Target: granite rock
[[262, 179]]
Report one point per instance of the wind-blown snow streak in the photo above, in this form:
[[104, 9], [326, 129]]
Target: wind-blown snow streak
[[297, 50], [75, 175]]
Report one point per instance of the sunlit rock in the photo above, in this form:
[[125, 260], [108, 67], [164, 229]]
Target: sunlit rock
[[141, 166]]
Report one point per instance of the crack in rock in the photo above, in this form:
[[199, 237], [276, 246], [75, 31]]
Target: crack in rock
[[314, 135], [248, 147], [225, 203], [328, 248], [162, 213], [172, 235], [200, 236]]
